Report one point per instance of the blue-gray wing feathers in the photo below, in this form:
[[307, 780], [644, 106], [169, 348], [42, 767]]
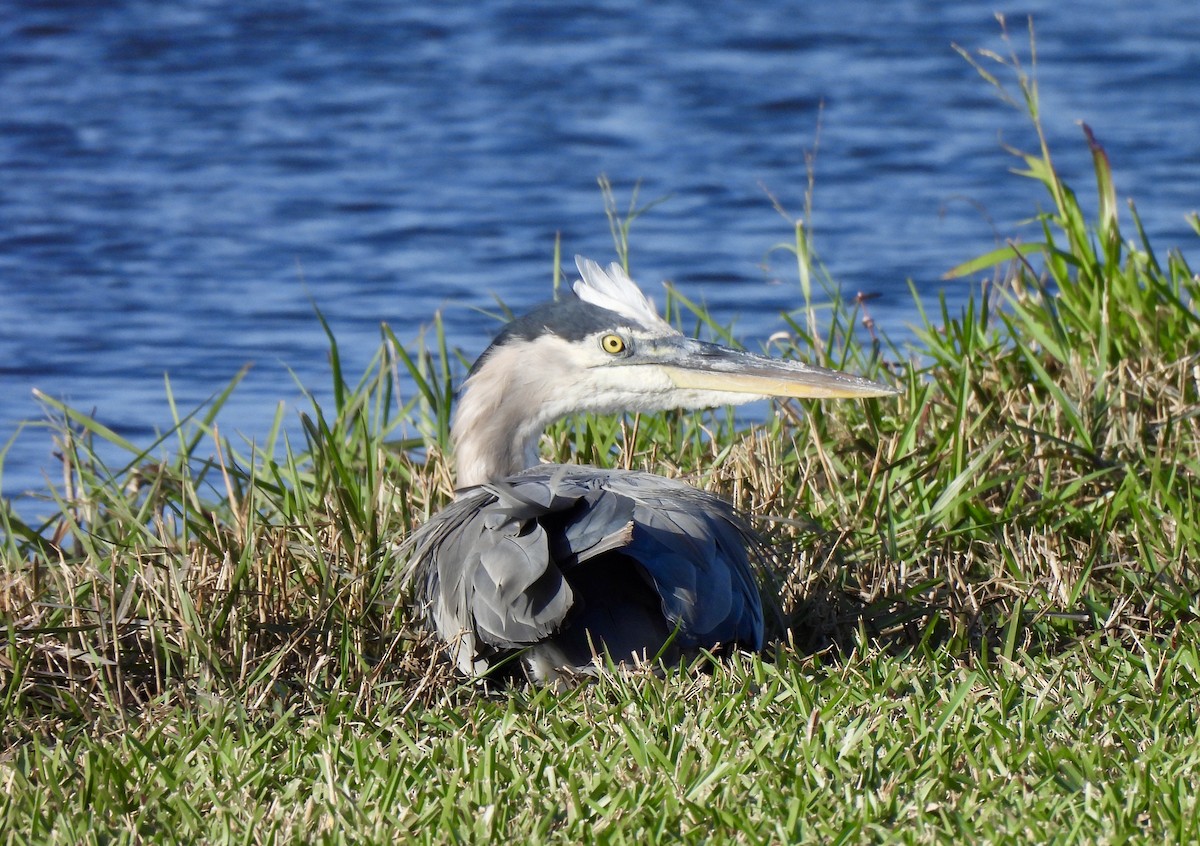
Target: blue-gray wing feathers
[[630, 556]]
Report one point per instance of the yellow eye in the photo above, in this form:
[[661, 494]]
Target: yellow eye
[[613, 344]]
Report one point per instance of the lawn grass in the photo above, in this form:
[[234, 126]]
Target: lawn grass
[[1099, 741], [983, 610]]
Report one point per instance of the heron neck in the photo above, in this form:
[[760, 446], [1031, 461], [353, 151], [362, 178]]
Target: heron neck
[[498, 422]]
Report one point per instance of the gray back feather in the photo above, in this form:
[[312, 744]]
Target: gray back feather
[[493, 571]]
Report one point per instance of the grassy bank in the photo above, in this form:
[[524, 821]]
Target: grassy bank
[[1096, 744], [983, 614]]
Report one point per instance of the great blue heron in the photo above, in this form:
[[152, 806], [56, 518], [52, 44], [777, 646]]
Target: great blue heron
[[570, 565]]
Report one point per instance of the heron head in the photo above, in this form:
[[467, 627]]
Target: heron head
[[607, 351]]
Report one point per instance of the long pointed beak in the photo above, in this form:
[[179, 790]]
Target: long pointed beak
[[712, 367]]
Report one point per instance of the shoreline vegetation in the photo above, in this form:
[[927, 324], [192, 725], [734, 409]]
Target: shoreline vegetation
[[984, 623]]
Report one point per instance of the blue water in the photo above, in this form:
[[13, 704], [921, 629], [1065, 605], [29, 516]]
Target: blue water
[[179, 181]]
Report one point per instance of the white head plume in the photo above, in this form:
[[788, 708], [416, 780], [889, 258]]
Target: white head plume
[[614, 290]]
